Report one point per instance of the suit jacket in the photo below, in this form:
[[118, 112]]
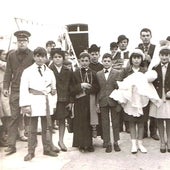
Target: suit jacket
[[150, 52], [158, 83], [106, 87], [63, 83]]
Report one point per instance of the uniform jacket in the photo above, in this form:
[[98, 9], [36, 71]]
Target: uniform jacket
[[16, 62], [63, 83], [31, 79], [158, 84], [106, 87]]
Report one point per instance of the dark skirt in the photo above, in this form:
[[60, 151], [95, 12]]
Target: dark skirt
[[141, 119], [61, 111]]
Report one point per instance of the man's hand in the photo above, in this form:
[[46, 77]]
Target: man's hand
[[147, 57], [26, 110], [53, 92], [85, 86]]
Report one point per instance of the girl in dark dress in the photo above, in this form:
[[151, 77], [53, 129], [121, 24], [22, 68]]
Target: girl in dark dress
[[84, 85]]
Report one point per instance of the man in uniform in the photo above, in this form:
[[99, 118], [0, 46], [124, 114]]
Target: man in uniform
[[17, 61]]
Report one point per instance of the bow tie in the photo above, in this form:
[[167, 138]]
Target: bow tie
[[106, 71], [84, 70]]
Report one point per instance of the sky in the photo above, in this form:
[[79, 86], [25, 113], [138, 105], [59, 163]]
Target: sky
[[107, 19]]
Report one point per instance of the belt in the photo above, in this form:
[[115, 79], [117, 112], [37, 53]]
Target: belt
[[36, 92]]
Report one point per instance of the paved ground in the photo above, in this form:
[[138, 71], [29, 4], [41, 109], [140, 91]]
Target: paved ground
[[98, 160]]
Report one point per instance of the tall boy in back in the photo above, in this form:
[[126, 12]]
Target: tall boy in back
[[107, 78]]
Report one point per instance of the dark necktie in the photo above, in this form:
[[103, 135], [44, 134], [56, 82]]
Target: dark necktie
[[146, 49], [39, 70]]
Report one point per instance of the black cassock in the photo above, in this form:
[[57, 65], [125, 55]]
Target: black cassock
[[82, 130]]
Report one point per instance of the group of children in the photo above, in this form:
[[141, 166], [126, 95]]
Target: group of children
[[94, 93]]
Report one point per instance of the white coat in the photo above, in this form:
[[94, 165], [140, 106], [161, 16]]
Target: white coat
[[31, 78]]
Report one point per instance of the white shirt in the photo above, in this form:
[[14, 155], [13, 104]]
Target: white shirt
[[106, 74], [58, 68]]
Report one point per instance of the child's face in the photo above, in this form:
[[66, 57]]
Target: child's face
[[69, 66], [3, 56], [123, 44], [49, 47], [107, 62], [136, 61], [164, 58], [94, 56], [58, 59], [84, 62], [114, 50], [40, 59]]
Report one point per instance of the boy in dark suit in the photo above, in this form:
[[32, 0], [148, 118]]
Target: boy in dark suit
[[107, 82]]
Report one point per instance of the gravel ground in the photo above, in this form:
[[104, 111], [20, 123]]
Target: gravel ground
[[98, 160]]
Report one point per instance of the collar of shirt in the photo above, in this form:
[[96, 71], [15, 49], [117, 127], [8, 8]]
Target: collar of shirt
[[107, 70], [164, 65], [43, 67], [58, 68]]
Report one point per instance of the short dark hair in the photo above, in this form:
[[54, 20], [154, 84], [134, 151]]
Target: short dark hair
[[83, 55], [58, 51], [145, 30], [50, 43], [164, 51], [41, 51], [113, 45], [107, 55], [137, 55]]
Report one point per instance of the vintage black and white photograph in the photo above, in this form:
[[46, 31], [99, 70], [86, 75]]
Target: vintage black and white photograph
[[85, 85]]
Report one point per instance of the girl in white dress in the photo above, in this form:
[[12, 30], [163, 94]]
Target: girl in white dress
[[134, 94]]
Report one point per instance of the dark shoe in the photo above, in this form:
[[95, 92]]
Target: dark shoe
[[50, 153], [63, 148], [29, 156], [168, 150], [155, 137], [108, 148], [90, 149], [162, 150], [116, 147], [82, 149], [55, 149], [10, 150]]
